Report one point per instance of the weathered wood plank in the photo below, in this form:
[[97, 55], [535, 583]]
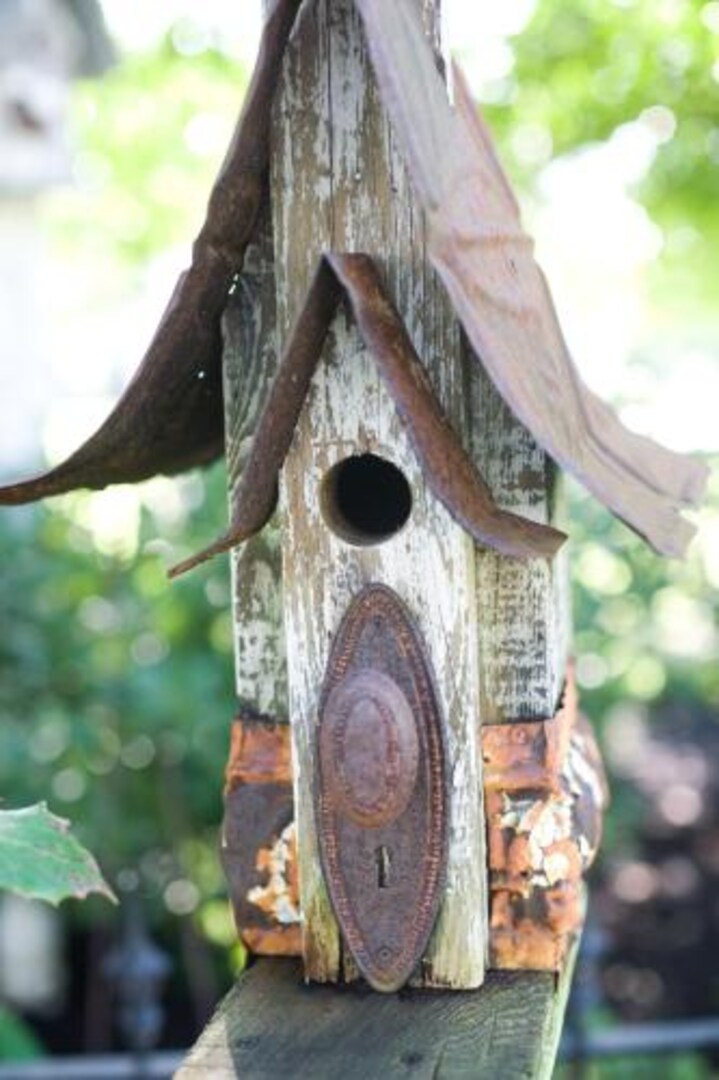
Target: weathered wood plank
[[524, 605], [272, 1025], [339, 183], [249, 330], [430, 565]]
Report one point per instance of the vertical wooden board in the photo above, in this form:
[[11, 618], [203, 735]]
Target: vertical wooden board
[[524, 606], [249, 363], [301, 163], [261, 666], [430, 564], [339, 182], [249, 334]]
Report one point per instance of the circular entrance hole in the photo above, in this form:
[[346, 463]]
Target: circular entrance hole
[[365, 499]]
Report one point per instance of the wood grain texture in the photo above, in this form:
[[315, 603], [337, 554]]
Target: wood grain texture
[[524, 630], [449, 470], [271, 1025], [249, 329], [524, 624], [524, 606], [430, 564], [339, 184]]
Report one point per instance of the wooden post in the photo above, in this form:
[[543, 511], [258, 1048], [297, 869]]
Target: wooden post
[[525, 605], [270, 1025], [249, 363], [339, 183], [497, 627]]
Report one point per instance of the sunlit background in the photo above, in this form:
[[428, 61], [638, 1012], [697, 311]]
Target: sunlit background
[[116, 690]]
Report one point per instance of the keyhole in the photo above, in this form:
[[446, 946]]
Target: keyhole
[[384, 865]]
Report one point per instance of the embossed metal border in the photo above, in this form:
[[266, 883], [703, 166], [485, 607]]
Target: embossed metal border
[[374, 601]]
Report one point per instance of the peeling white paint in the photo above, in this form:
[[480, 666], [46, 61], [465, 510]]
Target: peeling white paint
[[339, 182]]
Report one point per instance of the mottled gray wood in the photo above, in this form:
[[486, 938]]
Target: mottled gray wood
[[273, 1025], [430, 565], [524, 605], [340, 184], [249, 363], [524, 625]]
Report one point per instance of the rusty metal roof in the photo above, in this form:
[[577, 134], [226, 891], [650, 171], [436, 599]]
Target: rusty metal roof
[[170, 417]]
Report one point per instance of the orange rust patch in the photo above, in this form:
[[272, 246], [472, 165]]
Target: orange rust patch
[[273, 941], [258, 848], [260, 753], [278, 897], [544, 794], [524, 754]]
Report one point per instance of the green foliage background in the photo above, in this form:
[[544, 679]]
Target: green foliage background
[[586, 68], [116, 688]]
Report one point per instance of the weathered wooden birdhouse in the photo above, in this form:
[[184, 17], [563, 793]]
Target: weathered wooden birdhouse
[[412, 795]]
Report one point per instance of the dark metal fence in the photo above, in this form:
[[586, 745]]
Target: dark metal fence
[[155, 1066]]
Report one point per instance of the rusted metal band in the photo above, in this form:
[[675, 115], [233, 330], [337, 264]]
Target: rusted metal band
[[545, 792], [260, 753], [523, 754], [258, 845], [273, 941]]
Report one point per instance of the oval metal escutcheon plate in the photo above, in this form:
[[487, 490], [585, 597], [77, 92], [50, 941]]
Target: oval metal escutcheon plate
[[382, 805]]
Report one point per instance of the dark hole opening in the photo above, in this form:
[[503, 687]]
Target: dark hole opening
[[366, 499]]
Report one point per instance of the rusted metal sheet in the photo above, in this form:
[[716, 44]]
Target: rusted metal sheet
[[260, 753], [545, 792], [450, 472], [528, 754], [170, 417], [256, 494], [382, 805], [485, 259], [258, 847]]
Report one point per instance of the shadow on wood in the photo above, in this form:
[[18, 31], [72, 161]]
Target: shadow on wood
[[272, 1024]]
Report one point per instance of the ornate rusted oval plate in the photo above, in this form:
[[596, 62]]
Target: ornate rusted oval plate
[[382, 804], [369, 748]]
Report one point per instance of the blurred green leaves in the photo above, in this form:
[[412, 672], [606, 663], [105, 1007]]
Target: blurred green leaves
[[646, 639], [17, 1040], [150, 136], [583, 70], [115, 687]]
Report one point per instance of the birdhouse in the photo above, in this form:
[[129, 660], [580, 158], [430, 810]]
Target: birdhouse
[[412, 795]]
